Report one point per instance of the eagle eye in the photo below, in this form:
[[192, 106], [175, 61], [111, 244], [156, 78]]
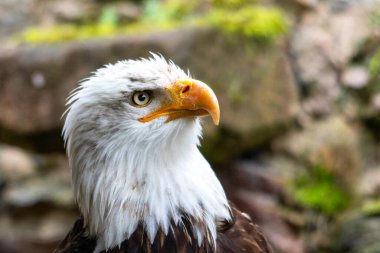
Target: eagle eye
[[141, 98]]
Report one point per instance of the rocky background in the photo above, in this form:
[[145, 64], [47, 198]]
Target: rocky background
[[299, 87]]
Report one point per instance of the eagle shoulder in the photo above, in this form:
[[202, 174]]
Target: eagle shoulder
[[77, 240], [241, 235]]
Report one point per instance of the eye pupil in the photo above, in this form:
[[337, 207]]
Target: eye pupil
[[141, 98]]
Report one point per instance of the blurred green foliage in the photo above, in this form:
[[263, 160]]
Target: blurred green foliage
[[374, 61], [255, 22], [374, 71], [105, 25], [374, 64], [240, 17], [232, 3], [375, 19], [168, 11], [235, 91], [371, 207], [318, 189], [108, 17]]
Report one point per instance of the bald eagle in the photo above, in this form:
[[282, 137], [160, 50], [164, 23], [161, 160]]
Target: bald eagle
[[132, 133]]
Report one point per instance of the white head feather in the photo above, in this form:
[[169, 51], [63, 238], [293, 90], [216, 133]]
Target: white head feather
[[126, 172]]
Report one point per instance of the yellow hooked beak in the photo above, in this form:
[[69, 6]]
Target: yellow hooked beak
[[188, 98]]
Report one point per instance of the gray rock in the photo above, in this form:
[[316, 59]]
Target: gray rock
[[36, 229], [16, 164], [322, 45], [307, 3], [69, 10], [37, 206], [369, 185], [358, 235], [375, 103], [17, 15], [256, 188], [331, 143], [14, 15], [33, 178], [355, 77], [51, 188], [254, 85]]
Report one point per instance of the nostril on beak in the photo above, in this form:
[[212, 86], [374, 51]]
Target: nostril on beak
[[185, 89]]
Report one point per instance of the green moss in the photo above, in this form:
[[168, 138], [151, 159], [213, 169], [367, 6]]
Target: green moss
[[168, 11], [238, 17], [371, 207], [61, 33], [375, 19], [317, 189], [254, 22], [374, 64], [163, 17], [106, 25], [234, 92], [374, 71], [108, 17], [232, 3]]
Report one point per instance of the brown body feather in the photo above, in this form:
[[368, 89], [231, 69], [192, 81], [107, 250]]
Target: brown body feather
[[240, 235]]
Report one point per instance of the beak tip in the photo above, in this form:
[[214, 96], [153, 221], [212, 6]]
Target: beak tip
[[215, 119]]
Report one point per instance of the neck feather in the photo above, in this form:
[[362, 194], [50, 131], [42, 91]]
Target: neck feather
[[127, 184]]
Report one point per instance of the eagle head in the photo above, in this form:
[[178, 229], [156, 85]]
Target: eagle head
[[141, 96]]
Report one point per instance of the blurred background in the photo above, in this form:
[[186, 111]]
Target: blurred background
[[299, 87]]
